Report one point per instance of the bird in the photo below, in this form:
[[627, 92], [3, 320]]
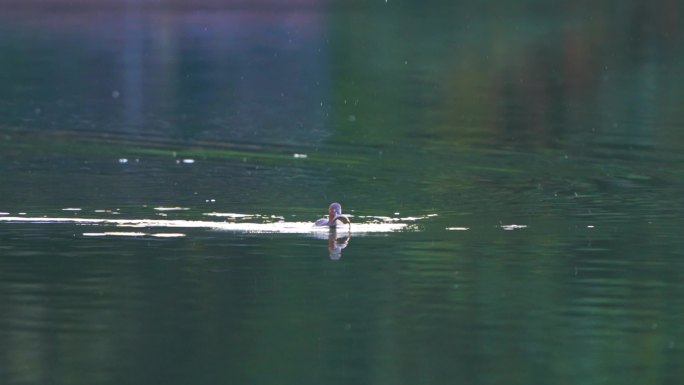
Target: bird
[[334, 215]]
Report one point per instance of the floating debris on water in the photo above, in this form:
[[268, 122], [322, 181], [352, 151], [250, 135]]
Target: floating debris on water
[[300, 156], [123, 160], [188, 161]]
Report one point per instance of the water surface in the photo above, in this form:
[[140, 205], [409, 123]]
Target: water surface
[[526, 158]]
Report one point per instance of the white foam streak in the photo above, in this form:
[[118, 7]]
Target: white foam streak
[[171, 208], [133, 234], [115, 233], [513, 227], [397, 219], [274, 227], [230, 215]]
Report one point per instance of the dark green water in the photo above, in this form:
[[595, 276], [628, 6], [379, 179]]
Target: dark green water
[[563, 118]]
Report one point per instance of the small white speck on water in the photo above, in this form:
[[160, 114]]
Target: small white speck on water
[[115, 94], [188, 161], [397, 213], [123, 160], [590, 226], [300, 156]]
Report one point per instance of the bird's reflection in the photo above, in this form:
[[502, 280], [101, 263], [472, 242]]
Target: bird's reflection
[[336, 243]]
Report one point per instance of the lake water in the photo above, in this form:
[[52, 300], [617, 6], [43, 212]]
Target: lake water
[[514, 172]]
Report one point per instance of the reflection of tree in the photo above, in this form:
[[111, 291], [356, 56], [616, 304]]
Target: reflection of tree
[[504, 98], [231, 76], [515, 78]]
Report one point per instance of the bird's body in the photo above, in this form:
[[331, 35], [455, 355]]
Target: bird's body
[[334, 217]]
